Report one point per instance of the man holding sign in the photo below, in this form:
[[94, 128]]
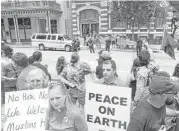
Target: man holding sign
[[109, 75]]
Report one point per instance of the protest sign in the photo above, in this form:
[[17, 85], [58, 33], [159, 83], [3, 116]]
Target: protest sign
[[107, 107], [26, 110]]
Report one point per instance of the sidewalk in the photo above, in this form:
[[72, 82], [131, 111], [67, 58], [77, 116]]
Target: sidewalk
[[81, 47], [156, 49]]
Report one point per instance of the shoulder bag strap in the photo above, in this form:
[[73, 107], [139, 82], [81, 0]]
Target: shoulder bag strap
[[14, 70]]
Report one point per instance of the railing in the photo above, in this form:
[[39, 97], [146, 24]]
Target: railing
[[30, 4]]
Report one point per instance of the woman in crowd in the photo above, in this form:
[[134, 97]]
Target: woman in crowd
[[142, 78], [61, 114]]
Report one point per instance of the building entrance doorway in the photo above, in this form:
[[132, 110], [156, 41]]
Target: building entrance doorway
[[89, 22], [89, 29]]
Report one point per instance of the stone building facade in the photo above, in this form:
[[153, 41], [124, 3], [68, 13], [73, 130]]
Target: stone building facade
[[90, 16], [19, 20]]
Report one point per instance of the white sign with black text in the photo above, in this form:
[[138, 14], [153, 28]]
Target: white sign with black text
[[26, 110], [107, 107]]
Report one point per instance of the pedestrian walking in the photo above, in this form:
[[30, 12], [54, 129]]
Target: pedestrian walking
[[108, 43], [85, 39], [77, 45], [62, 116], [113, 41], [150, 114], [73, 44], [139, 46], [91, 45], [97, 42]]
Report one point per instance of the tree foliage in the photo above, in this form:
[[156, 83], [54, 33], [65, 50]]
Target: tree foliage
[[175, 25], [134, 12]]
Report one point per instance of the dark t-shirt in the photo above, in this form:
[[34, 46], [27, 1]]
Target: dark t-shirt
[[139, 43], [145, 117], [99, 71], [108, 42]]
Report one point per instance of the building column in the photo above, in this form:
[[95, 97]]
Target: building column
[[16, 30], [7, 31], [109, 20], [99, 21], [74, 20], [58, 24], [78, 25], [169, 22], [48, 24], [104, 17]]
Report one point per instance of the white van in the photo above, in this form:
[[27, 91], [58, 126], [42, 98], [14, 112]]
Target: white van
[[51, 41]]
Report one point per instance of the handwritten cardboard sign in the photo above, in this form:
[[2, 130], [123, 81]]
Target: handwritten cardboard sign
[[107, 107], [26, 110]]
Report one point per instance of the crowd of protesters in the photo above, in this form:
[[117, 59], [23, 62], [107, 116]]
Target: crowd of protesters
[[155, 99]]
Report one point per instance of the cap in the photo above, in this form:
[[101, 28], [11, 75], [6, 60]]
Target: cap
[[161, 84], [106, 55], [61, 59], [85, 66], [74, 58]]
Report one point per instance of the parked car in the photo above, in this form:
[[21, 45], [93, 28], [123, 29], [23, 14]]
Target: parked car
[[51, 41], [125, 43]]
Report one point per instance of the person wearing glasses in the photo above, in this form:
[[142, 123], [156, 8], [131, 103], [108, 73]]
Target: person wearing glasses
[[150, 114]]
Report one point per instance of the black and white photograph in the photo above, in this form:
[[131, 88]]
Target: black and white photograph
[[89, 65]]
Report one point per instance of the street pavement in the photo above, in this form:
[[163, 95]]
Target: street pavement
[[123, 60]]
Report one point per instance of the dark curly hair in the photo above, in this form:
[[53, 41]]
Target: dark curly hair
[[8, 51], [20, 59], [144, 57]]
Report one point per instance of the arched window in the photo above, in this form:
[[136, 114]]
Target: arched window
[[89, 14]]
